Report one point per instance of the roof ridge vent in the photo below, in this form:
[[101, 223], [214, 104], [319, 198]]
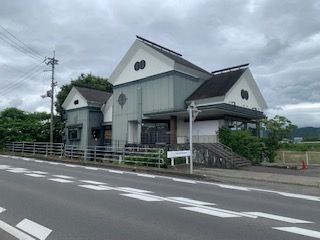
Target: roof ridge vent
[[158, 46], [230, 69]]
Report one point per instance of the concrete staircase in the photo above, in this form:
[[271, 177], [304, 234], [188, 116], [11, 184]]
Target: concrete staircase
[[219, 155]]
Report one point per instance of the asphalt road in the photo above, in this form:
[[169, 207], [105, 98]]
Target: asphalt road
[[48, 200]]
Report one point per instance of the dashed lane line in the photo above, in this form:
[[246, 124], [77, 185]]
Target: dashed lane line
[[233, 187], [39, 172], [34, 175], [60, 180], [144, 197], [277, 217], [300, 231], [97, 187], [63, 176], [145, 175], [133, 190], [211, 212], [115, 171], [92, 182], [34, 229]]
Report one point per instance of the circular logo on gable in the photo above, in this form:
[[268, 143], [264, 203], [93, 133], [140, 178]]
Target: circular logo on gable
[[244, 94], [122, 99]]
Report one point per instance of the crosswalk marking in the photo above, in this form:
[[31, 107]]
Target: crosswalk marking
[[14, 232], [300, 231], [60, 180], [210, 211], [34, 229], [34, 175], [144, 197], [277, 217], [17, 170], [96, 187], [183, 180]]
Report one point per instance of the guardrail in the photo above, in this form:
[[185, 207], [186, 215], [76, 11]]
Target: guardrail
[[101, 154], [296, 158]]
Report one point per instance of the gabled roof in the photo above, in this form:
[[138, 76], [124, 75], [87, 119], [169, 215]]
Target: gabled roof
[[93, 95], [217, 85], [177, 58]]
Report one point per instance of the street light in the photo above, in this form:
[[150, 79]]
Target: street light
[[193, 113]]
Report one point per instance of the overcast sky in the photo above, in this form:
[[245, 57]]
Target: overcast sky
[[280, 40]]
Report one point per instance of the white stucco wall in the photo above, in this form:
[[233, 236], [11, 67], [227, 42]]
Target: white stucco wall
[[107, 110], [234, 95], [154, 65], [202, 131], [72, 97]]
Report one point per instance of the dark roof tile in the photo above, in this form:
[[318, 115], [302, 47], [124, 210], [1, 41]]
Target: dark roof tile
[[93, 95], [217, 85]]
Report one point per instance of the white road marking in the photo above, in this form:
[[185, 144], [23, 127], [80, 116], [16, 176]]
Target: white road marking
[[92, 168], [300, 231], [63, 176], [96, 187], [144, 197], [54, 163], [183, 180], [189, 201], [39, 161], [92, 182], [5, 166], [134, 190], [233, 187], [39, 172], [34, 175], [2, 209], [145, 175], [211, 212], [115, 171], [26, 159], [60, 180], [14, 232], [70, 165], [302, 196], [277, 217], [34, 229], [18, 170]]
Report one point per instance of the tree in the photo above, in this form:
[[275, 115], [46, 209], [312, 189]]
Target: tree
[[17, 125], [243, 143], [277, 129], [84, 80]]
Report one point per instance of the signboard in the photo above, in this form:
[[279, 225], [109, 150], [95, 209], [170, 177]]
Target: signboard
[[175, 154]]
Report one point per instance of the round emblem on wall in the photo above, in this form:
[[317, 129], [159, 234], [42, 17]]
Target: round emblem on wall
[[140, 65], [244, 94], [122, 99]]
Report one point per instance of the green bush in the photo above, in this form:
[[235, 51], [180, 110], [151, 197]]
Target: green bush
[[243, 143]]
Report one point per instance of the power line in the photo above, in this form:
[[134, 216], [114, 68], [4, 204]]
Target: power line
[[20, 80], [16, 46], [30, 49]]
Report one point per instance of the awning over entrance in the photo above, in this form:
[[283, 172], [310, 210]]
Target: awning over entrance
[[213, 111]]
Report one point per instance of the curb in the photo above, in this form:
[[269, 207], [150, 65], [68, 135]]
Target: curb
[[220, 177]]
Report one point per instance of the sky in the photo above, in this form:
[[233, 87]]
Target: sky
[[280, 40]]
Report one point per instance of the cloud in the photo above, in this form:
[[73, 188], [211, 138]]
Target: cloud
[[279, 38]]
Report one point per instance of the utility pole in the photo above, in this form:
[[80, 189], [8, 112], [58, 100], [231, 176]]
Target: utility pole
[[51, 61]]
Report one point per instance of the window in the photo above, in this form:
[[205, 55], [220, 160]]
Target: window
[[74, 134]]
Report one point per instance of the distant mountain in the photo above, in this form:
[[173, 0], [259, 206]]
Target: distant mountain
[[311, 133]]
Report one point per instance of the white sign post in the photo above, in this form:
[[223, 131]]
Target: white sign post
[[174, 154], [193, 113]]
